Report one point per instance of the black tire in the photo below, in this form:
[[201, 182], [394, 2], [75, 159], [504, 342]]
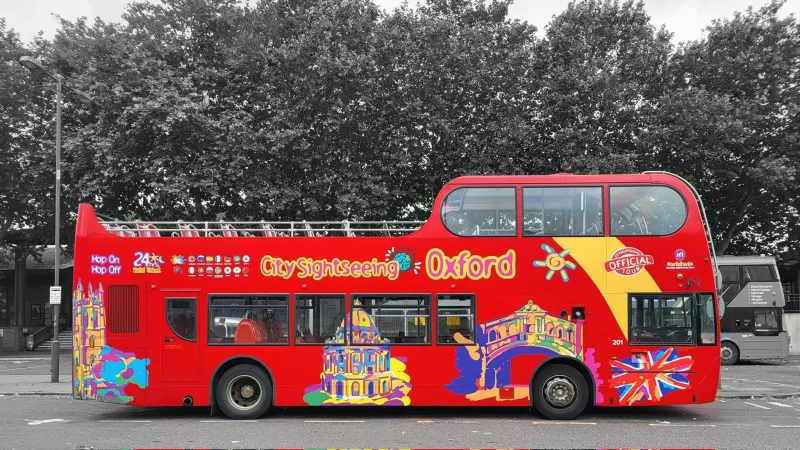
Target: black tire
[[729, 353], [244, 392], [564, 384]]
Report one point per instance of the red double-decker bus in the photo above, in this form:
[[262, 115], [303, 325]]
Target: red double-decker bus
[[551, 291]]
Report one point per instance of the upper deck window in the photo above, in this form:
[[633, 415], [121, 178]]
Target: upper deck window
[[758, 273], [562, 211], [646, 210], [477, 211]]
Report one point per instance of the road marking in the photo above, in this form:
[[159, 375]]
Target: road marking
[[227, 421], [39, 422], [780, 404], [424, 421], [757, 406], [554, 422], [333, 421], [784, 426], [124, 421], [679, 425]]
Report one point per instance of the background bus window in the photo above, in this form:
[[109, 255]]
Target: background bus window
[[766, 320], [316, 317], [481, 212], [181, 317], [661, 319], [249, 319], [646, 210], [708, 320], [455, 315], [402, 318], [730, 274], [757, 273], [562, 211]]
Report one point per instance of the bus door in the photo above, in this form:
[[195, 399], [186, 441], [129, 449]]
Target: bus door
[[180, 350]]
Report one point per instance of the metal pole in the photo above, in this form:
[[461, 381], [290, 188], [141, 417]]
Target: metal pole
[[54, 350]]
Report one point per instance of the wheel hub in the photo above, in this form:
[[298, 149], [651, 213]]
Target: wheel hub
[[560, 392], [244, 393], [726, 353]]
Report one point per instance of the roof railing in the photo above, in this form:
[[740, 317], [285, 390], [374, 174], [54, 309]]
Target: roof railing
[[263, 229]]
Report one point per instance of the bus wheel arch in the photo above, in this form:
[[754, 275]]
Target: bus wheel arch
[[562, 372], [730, 349], [248, 368]]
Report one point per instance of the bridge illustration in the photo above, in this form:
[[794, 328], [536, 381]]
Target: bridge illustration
[[485, 365], [532, 326]]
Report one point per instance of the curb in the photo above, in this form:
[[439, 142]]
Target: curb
[[745, 396]]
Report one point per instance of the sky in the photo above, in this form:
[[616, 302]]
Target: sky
[[685, 18]]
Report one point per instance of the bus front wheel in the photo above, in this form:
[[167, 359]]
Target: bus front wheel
[[244, 392], [560, 392], [729, 353]]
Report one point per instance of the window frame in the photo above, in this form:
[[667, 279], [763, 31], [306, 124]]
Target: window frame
[[429, 328], [692, 321], [293, 319], [472, 310], [699, 317], [517, 206], [629, 185], [194, 301], [210, 319], [603, 206]]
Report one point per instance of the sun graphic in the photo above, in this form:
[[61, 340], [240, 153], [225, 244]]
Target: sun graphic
[[555, 262], [404, 257]]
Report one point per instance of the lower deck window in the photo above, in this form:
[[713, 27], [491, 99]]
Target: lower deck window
[[455, 318], [402, 319], [659, 319], [249, 319], [317, 317]]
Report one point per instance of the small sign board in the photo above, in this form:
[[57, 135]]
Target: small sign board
[[55, 295]]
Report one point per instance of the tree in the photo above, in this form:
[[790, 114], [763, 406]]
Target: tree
[[748, 67], [27, 157], [602, 62]]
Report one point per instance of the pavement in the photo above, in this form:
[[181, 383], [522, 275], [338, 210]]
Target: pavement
[[28, 373]]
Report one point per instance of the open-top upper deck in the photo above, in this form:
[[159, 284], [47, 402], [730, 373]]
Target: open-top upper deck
[[469, 205]]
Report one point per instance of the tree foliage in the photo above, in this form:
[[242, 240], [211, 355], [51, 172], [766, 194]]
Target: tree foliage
[[334, 109]]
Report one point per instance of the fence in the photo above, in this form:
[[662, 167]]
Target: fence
[[792, 303]]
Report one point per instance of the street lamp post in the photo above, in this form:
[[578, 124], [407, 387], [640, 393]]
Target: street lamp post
[[38, 71]]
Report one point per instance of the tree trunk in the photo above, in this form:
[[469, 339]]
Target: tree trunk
[[733, 225]]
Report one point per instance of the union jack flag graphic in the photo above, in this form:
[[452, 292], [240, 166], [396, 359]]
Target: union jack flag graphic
[[650, 375]]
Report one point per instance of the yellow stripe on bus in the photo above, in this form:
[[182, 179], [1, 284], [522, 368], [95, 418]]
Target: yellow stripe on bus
[[591, 254]]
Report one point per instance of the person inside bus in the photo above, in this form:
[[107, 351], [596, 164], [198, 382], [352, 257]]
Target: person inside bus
[[220, 330], [593, 213]]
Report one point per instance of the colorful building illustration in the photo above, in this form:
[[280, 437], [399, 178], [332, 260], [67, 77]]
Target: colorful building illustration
[[98, 368], [362, 373], [485, 365]]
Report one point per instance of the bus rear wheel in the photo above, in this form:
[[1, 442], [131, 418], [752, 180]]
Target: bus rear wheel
[[560, 392], [729, 353], [244, 392]]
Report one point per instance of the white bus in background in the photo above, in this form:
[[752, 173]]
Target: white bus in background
[[752, 326]]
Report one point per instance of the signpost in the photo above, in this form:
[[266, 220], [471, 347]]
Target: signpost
[[55, 300]]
